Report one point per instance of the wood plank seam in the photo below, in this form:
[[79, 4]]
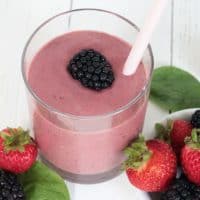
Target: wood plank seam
[[172, 33], [70, 8]]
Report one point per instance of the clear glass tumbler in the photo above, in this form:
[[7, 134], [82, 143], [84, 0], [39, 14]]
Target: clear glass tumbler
[[85, 149]]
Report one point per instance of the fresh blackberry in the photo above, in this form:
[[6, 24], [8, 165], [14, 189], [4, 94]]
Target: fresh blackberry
[[10, 188], [195, 121], [182, 189], [91, 69]]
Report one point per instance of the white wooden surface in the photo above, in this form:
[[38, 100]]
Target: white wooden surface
[[186, 36], [176, 41]]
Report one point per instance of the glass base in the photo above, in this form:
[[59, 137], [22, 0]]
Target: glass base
[[84, 179]]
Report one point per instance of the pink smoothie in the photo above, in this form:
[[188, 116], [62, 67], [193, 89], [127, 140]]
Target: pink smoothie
[[89, 145]]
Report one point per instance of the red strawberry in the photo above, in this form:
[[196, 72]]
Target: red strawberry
[[180, 130], [18, 151], [151, 165], [175, 132], [190, 157]]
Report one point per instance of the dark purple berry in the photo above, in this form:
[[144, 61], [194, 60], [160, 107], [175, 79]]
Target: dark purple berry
[[91, 69], [181, 189], [195, 121], [10, 187]]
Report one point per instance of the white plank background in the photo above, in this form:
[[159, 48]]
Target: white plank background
[[176, 41], [186, 35]]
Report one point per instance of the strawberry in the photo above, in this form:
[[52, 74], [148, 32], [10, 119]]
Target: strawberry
[[190, 157], [180, 130], [151, 165], [175, 132], [18, 151]]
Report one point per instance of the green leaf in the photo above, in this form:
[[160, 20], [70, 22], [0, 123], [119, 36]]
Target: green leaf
[[41, 183], [174, 89]]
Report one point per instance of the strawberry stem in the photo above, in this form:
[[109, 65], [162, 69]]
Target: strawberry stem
[[194, 140], [163, 132], [137, 154], [15, 139]]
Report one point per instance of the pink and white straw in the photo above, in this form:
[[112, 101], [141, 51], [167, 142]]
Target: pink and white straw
[[143, 37]]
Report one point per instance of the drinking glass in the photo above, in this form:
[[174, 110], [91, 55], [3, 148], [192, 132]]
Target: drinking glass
[[85, 149]]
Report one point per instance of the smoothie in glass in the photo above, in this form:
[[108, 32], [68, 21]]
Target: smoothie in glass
[[82, 132]]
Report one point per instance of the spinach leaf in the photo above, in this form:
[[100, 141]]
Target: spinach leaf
[[42, 183], [174, 89]]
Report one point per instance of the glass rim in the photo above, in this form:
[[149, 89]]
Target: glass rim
[[84, 117]]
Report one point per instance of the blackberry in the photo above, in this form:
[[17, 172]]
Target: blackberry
[[91, 69], [10, 188], [182, 189], [195, 121]]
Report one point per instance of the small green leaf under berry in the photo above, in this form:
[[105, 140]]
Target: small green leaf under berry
[[42, 183]]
